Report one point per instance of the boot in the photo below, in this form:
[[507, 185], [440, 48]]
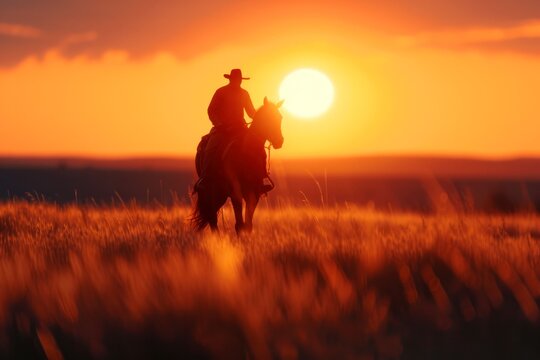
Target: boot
[[267, 185], [200, 184]]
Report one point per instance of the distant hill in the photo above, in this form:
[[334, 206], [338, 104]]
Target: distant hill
[[135, 163], [384, 182], [415, 166], [517, 168]]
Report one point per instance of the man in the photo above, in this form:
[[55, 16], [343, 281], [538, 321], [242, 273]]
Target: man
[[227, 107], [226, 112]]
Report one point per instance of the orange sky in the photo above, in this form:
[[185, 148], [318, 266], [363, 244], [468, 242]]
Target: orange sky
[[132, 79]]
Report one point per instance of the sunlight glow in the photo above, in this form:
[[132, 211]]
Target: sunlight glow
[[308, 93]]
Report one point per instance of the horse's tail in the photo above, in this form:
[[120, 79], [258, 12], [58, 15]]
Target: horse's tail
[[202, 213]]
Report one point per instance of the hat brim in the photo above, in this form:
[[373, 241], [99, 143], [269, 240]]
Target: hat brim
[[227, 76]]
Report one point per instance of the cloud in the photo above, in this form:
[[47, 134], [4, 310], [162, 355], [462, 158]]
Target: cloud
[[188, 28], [91, 28], [18, 30], [527, 30], [79, 38], [523, 37], [72, 41], [530, 46]]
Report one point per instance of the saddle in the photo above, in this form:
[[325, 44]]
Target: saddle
[[213, 148]]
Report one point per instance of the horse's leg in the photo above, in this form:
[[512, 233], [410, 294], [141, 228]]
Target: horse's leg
[[236, 199], [236, 195], [213, 222], [217, 200], [252, 199], [237, 206], [220, 198]]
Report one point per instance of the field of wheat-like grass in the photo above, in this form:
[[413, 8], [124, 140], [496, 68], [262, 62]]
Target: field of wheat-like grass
[[321, 283]]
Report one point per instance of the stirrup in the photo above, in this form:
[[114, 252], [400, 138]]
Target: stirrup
[[198, 185], [267, 187]]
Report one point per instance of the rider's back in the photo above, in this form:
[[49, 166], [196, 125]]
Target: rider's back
[[227, 106]]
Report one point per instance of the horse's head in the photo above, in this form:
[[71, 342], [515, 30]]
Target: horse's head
[[267, 121]]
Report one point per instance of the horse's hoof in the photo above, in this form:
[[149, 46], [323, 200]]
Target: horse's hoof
[[243, 230], [239, 228]]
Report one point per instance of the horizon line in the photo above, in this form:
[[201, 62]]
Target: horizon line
[[164, 156]]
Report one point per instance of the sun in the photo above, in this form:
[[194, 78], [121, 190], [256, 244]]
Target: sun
[[308, 93]]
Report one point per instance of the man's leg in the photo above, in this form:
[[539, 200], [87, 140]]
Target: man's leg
[[210, 157]]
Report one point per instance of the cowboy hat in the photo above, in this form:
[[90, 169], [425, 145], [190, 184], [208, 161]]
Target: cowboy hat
[[235, 74]]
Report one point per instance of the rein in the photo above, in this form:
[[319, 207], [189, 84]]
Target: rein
[[269, 147], [268, 168]]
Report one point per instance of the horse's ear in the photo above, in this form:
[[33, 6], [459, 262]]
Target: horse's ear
[[265, 101], [278, 105]]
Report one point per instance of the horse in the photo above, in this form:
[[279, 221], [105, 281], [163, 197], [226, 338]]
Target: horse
[[242, 172]]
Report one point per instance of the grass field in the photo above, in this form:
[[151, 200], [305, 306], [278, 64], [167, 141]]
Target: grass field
[[322, 283]]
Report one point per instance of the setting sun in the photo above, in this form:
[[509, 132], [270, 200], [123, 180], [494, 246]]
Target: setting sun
[[307, 93]]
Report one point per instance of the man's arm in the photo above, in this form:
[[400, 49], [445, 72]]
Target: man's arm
[[212, 109], [248, 105]]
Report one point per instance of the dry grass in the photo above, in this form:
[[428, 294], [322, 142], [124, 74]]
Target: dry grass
[[309, 283]]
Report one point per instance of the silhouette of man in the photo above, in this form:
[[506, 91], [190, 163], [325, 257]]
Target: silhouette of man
[[226, 112], [229, 102]]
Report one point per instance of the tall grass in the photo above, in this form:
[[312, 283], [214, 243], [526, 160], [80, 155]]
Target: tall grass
[[342, 282]]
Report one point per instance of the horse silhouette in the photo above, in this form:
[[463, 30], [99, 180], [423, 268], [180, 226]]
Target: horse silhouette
[[241, 171]]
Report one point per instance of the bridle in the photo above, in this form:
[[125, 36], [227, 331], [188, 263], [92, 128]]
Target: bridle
[[268, 159]]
